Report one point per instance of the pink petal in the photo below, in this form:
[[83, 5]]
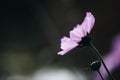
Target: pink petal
[[77, 33], [88, 22], [67, 44], [81, 31], [63, 52]]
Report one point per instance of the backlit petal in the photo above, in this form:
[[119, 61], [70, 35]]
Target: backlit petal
[[88, 22], [77, 33], [66, 45]]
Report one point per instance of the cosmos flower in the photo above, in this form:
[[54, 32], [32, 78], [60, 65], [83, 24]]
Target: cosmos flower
[[77, 34]]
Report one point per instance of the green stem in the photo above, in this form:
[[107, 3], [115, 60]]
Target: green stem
[[100, 58], [100, 75]]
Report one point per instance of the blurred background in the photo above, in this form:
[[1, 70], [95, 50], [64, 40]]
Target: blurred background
[[30, 32]]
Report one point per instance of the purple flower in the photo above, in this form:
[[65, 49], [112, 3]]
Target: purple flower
[[112, 58], [77, 34]]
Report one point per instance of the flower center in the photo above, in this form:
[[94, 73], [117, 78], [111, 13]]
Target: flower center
[[85, 41]]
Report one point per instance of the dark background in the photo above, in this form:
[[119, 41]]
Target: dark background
[[30, 32]]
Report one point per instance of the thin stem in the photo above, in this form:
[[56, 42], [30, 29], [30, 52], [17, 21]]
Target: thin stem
[[100, 75], [100, 58]]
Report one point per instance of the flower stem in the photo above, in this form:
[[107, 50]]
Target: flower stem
[[101, 59], [100, 75]]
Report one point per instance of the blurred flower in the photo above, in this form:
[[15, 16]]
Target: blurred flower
[[77, 34], [58, 74], [112, 59]]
